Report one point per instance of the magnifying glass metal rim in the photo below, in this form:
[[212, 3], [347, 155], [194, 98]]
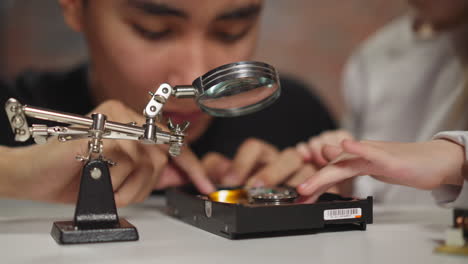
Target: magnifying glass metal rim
[[232, 71], [216, 75]]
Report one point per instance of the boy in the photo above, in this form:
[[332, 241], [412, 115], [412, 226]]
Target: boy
[[135, 45]]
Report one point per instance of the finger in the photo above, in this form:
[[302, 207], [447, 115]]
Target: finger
[[169, 177], [123, 154], [150, 176], [301, 176], [132, 163], [379, 160], [189, 163], [304, 151], [216, 166], [315, 147], [138, 183], [334, 189], [69, 194], [330, 152], [159, 160], [120, 172], [335, 138], [315, 196], [332, 174], [251, 154], [129, 190], [343, 135], [276, 172], [330, 138]]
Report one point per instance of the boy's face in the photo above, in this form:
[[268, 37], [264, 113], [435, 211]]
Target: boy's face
[[442, 13], [135, 45]]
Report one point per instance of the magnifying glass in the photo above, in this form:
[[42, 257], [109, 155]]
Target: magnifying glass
[[234, 89]]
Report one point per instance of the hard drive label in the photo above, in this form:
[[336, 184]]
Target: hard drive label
[[345, 213]]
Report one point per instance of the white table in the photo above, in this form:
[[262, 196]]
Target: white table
[[398, 235]]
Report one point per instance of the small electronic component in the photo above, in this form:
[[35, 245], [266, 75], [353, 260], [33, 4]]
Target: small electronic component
[[456, 238]]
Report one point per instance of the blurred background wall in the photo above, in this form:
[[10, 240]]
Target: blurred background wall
[[309, 39], [4, 6]]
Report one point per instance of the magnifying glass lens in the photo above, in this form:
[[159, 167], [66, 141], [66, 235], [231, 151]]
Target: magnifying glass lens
[[238, 93], [238, 89]]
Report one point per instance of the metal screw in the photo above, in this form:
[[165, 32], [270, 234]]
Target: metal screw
[[18, 121], [153, 108], [96, 173], [165, 90]]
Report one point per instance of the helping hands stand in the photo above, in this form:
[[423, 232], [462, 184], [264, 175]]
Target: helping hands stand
[[96, 218], [233, 89]]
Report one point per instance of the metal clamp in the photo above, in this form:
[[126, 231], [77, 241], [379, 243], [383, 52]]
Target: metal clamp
[[17, 119], [97, 127], [177, 139]]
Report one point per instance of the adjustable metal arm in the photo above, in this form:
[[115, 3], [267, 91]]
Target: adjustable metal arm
[[185, 91], [97, 127]]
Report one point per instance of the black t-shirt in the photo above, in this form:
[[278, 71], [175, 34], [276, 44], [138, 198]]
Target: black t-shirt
[[295, 116]]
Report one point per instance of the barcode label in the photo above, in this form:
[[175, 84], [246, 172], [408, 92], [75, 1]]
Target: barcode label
[[346, 213]]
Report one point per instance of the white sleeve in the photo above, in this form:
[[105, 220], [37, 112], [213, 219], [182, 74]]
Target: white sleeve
[[452, 195]]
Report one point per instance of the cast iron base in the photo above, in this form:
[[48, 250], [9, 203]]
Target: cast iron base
[[66, 232]]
